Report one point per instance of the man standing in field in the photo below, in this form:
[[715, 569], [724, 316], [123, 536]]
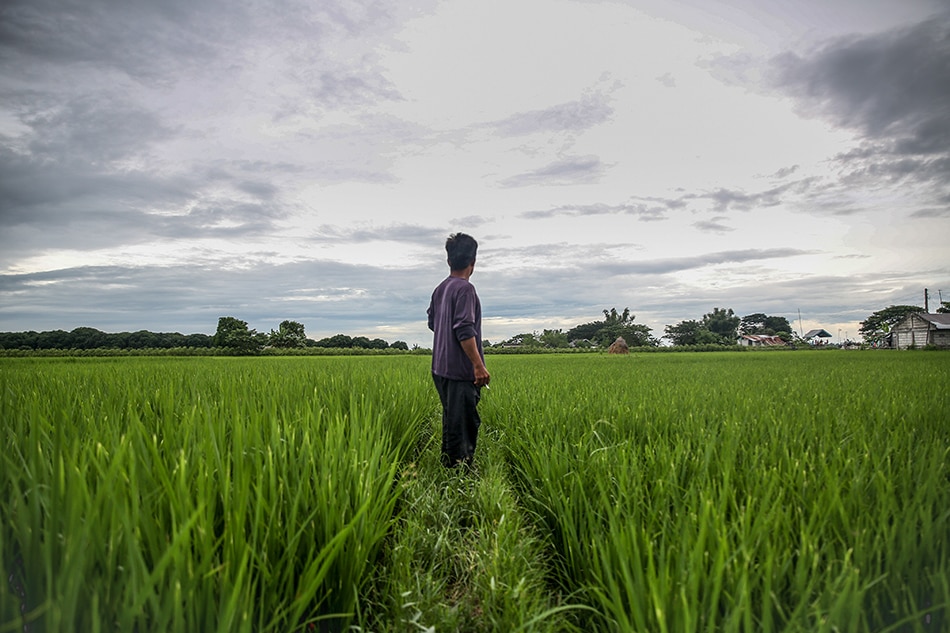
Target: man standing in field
[[458, 361]]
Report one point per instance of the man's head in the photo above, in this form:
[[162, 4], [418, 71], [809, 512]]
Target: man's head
[[461, 249]]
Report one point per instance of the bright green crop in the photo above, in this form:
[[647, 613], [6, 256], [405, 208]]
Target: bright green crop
[[789, 491]]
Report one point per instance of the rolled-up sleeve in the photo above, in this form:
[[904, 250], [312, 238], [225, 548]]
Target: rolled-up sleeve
[[465, 315]]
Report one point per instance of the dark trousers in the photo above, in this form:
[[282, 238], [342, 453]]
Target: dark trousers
[[460, 419]]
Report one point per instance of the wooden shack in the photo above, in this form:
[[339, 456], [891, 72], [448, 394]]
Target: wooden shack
[[921, 329]]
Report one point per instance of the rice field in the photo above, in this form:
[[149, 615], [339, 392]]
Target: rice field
[[789, 491]]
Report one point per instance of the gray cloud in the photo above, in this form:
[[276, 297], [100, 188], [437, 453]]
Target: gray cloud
[[118, 298], [37, 191], [942, 212], [568, 280], [574, 116], [349, 86], [894, 89], [864, 82], [158, 41], [657, 302], [656, 208], [406, 233], [469, 222], [596, 261], [713, 225], [568, 171], [80, 205], [733, 199], [677, 264], [785, 172], [643, 211], [97, 127]]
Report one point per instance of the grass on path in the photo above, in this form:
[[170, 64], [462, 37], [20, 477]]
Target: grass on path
[[464, 556]]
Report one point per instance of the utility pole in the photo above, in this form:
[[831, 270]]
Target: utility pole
[[926, 300]]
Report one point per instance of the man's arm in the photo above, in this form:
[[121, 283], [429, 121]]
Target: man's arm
[[470, 348]]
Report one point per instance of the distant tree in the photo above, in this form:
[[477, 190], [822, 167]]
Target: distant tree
[[615, 324], [143, 339], [54, 339], [343, 341], [234, 334], [944, 307], [337, 340], [777, 325], [690, 332], [525, 339], [876, 327], [87, 338], [289, 334], [364, 342], [760, 323], [723, 323], [196, 340], [752, 323], [18, 340], [586, 331], [399, 345], [553, 338], [622, 325]]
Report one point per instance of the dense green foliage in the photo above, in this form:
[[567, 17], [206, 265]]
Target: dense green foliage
[[761, 323], [198, 494], [614, 325], [781, 491], [751, 492], [721, 326]]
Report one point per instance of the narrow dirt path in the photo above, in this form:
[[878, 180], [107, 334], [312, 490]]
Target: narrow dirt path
[[463, 556]]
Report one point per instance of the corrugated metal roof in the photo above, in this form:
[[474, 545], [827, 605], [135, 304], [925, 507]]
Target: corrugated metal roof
[[814, 333], [939, 321]]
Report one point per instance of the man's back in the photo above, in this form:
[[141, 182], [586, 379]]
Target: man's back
[[455, 314]]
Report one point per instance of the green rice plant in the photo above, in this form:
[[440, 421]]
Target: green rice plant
[[793, 492], [653, 492], [207, 494]]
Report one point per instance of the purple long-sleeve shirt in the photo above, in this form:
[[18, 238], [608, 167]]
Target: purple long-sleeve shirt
[[455, 314]]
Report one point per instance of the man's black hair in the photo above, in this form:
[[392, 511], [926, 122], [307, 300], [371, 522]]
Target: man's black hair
[[461, 249]]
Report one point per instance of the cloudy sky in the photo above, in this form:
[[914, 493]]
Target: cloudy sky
[[165, 163]]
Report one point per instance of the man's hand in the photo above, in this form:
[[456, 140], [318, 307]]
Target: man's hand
[[482, 377]]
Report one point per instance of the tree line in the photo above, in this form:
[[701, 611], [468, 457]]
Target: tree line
[[232, 334], [235, 334], [90, 338], [721, 326]]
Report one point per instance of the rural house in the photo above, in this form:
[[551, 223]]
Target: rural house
[[811, 335], [920, 329], [759, 340]]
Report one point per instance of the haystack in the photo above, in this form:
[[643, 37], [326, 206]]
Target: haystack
[[619, 347]]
